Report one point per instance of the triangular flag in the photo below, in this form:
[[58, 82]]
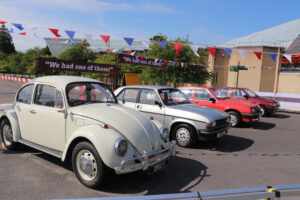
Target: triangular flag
[[137, 57], [74, 43], [56, 40], [107, 49], [115, 50], [242, 53], [173, 63], [155, 60], [127, 52], [18, 26], [228, 52], [120, 52], [273, 56], [195, 48], [3, 22], [65, 42], [177, 48], [162, 44], [11, 30], [105, 38], [129, 41], [88, 37], [258, 54], [55, 32], [212, 51], [33, 29], [132, 53], [70, 34], [84, 46], [23, 33], [288, 57], [46, 38]]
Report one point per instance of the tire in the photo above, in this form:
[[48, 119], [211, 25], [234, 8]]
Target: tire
[[7, 135], [184, 135], [88, 165], [235, 118], [263, 111]]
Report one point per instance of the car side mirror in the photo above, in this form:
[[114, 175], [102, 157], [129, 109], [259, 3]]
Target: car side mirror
[[158, 103], [123, 101], [246, 96], [213, 100]]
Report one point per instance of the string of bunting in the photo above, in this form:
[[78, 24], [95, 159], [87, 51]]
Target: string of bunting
[[106, 38]]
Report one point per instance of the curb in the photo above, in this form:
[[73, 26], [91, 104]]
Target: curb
[[14, 78], [290, 111]]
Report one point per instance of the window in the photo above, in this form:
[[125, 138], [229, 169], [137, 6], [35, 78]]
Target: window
[[202, 94], [222, 93], [120, 96], [25, 94], [130, 95], [188, 92], [48, 96], [237, 93], [148, 97]]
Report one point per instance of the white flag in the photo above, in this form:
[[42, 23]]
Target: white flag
[[156, 60], [195, 48], [34, 29], [289, 57], [132, 53], [89, 37], [243, 53]]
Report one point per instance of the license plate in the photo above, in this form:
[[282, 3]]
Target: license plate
[[221, 134], [157, 167]]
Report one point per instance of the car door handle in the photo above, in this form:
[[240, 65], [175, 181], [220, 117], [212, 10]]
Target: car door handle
[[139, 107], [32, 111]]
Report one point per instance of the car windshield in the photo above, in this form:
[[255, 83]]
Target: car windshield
[[220, 93], [250, 92], [173, 96], [89, 92]]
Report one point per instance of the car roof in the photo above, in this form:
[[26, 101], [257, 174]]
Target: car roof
[[62, 80], [156, 87], [195, 87]]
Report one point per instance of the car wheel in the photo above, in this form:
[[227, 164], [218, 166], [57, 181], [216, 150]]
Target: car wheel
[[7, 135], [88, 165], [235, 118], [184, 135], [263, 111]]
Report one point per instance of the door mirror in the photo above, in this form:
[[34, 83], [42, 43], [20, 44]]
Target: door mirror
[[158, 103], [246, 96], [213, 100], [123, 101]]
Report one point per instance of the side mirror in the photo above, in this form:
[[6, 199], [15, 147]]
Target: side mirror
[[123, 101], [213, 100], [246, 96], [158, 103]]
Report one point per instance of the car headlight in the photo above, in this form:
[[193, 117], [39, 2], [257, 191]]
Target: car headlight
[[211, 125], [271, 104], [121, 146], [228, 120], [253, 110], [164, 133]]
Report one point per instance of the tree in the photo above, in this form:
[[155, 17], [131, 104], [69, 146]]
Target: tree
[[6, 44], [78, 53]]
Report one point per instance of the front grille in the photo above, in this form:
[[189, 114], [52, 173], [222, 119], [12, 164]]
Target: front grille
[[221, 122]]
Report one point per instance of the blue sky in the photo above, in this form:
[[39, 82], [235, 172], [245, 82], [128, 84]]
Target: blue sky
[[205, 21]]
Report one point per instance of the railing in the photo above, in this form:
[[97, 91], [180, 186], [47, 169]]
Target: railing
[[267, 193]]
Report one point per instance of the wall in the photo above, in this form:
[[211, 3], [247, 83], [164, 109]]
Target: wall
[[289, 83]]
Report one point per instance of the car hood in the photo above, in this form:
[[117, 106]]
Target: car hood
[[131, 124], [195, 112]]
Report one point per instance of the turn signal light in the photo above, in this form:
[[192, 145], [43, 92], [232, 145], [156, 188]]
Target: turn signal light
[[105, 126], [151, 118]]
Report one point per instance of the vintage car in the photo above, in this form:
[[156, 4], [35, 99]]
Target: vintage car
[[239, 110], [267, 105], [79, 119], [187, 123]]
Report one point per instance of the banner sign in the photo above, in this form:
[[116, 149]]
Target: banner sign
[[131, 79], [137, 60], [46, 64]]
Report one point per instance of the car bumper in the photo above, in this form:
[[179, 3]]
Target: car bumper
[[146, 160], [251, 115], [205, 135], [271, 109]]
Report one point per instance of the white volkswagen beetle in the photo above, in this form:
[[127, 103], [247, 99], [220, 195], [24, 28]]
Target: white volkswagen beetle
[[80, 119]]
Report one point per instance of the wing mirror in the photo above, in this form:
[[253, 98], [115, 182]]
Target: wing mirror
[[158, 103], [123, 101], [213, 100], [246, 96]]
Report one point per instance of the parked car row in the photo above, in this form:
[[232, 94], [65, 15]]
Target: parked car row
[[135, 128]]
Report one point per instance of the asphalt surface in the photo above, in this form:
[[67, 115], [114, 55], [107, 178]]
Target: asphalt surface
[[265, 153]]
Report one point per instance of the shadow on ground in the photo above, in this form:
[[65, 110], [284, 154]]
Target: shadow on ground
[[260, 125], [279, 116]]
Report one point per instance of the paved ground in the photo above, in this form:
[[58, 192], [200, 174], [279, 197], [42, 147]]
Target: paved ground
[[267, 153]]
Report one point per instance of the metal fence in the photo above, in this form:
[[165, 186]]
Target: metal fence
[[267, 193]]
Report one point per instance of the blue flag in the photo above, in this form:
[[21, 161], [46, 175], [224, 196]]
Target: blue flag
[[18, 26], [46, 38], [173, 63], [11, 30], [120, 52], [70, 34], [163, 44], [228, 52], [74, 43], [136, 57], [273, 56], [129, 41], [99, 49]]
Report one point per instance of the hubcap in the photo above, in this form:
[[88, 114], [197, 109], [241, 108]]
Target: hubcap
[[86, 165], [183, 136], [7, 135], [233, 120], [262, 111]]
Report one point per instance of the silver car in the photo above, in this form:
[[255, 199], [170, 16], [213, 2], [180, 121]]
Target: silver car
[[170, 106]]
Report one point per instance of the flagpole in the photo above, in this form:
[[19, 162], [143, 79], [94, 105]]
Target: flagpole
[[276, 73]]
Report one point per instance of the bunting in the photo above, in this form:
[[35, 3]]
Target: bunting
[[258, 54], [55, 32], [162, 44], [212, 51], [228, 52], [18, 26], [273, 56], [23, 33], [288, 57], [11, 30], [105, 38], [242, 53], [3, 22], [70, 34], [33, 29], [177, 48], [129, 41], [195, 48]]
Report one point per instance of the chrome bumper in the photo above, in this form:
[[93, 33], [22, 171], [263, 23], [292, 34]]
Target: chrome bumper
[[146, 160]]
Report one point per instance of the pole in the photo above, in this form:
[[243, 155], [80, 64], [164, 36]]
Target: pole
[[277, 73], [117, 73], [37, 62], [237, 78]]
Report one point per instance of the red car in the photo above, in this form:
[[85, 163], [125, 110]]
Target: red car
[[267, 106], [239, 110]]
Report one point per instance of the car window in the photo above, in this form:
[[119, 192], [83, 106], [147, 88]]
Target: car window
[[148, 97], [47, 95], [25, 94], [130, 95], [202, 94], [120, 96], [222, 93], [238, 93], [188, 92]]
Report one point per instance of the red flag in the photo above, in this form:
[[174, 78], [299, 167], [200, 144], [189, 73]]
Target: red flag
[[105, 38], [55, 32], [84, 46], [127, 52], [212, 51], [165, 62], [107, 50], [177, 48], [177, 64], [142, 58], [258, 54], [23, 33], [55, 40], [3, 22]]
